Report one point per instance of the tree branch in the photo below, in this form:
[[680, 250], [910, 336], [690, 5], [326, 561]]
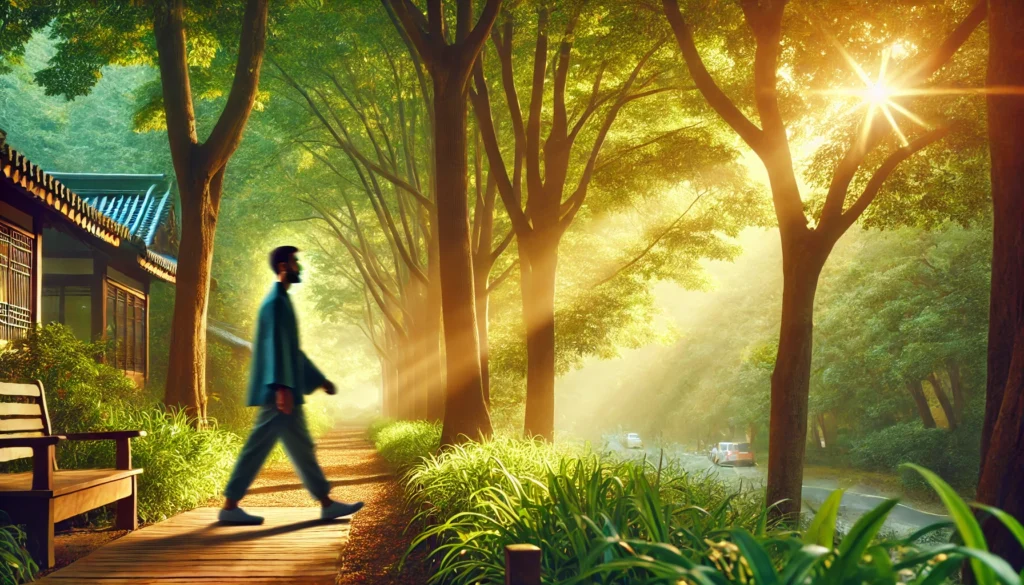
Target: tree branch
[[716, 98], [172, 58], [227, 133], [645, 251], [882, 173]]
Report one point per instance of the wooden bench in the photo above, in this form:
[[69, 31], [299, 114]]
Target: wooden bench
[[46, 495]]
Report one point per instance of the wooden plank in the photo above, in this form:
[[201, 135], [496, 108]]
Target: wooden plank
[[64, 481], [75, 503], [293, 546], [12, 389], [8, 425], [12, 453], [16, 409]]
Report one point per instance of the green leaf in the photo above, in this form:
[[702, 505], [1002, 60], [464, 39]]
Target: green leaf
[[1011, 523], [823, 527], [758, 559], [966, 524], [801, 563], [852, 548]]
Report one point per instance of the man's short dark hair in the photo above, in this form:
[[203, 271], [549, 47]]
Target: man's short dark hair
[[281, 254]]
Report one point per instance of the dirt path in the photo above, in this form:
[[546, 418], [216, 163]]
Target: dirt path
[[375, 542]]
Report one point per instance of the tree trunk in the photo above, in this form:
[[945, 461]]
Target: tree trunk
[[787, 438], [465, 412], [539, 309], [947, 406], [186, 374], [816, 436], [1002, 468], [923, 409], [957, 387], [482, 306], [433, 363]]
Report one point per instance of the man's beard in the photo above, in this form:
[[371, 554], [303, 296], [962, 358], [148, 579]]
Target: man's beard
[[293, 277]]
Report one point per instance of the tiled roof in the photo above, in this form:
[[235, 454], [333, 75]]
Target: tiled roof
[[141, 203], [48, 190], [133, 221]]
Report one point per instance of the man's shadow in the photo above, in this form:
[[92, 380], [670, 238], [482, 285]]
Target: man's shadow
[[210, 536]]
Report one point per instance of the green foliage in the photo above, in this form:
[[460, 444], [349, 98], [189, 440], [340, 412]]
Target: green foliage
[[184, 467], [952, 455], [601, 521], [16, 565], [404, 443], [81, 394]]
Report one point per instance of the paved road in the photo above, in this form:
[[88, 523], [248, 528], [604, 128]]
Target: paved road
[[856, 501]]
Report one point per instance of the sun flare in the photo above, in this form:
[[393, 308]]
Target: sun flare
[[879, 95]]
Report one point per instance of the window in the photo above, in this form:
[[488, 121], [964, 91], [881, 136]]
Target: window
[[70, 305], [17, 258], [126, 328]]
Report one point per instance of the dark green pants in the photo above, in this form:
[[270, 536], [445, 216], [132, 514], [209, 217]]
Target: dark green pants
[[271, 425]]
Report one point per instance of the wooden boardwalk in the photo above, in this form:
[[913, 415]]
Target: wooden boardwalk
[[293, 546]]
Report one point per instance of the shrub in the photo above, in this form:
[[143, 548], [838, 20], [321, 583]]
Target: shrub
[[404, 443], [16, 565], [953, 455], [183, 467]]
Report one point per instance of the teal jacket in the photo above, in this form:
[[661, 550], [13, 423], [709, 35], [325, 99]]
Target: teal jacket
[[276, 357]]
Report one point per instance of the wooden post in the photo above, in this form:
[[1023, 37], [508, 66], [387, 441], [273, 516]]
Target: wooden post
[[39, 526], [522, 564], [37, 268], [98, 289], [42, 467], [126, 516], [123, 454]]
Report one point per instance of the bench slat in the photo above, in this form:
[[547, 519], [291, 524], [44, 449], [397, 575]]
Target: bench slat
[[11, 389], [12, 453], [14, 409], [20, 424]]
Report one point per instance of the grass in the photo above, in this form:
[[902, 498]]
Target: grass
[[600, 520]]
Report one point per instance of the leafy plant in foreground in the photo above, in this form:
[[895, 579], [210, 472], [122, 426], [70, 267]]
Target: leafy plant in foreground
[[789, 559], [16, 565]]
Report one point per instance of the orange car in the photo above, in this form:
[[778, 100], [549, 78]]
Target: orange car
[[732, 454]]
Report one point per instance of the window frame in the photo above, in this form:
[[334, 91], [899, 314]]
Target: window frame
[[138, 310], [9, 325]]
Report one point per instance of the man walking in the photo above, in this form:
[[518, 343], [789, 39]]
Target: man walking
[[281, 375]]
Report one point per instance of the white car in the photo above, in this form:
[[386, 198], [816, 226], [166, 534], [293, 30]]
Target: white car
[[633, 441]]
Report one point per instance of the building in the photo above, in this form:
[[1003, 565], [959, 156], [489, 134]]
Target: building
[[83, 250]]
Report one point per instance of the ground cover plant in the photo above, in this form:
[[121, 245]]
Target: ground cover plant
[[16, 565], [598, 520]]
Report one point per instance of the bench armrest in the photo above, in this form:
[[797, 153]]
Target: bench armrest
[[42, 457], [123, 455], [31, 441], [103, 435]]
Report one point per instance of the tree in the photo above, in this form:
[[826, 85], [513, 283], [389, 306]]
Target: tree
[[806, 242], [94, 34], [548, 177], [370, 131], [450, 65], [1002, 468], [199, 167]]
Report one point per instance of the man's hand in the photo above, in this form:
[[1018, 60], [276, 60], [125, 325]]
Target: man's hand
[[285, 400], [329, 388]]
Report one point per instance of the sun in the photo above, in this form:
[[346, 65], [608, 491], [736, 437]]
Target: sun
[[880, 94]]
